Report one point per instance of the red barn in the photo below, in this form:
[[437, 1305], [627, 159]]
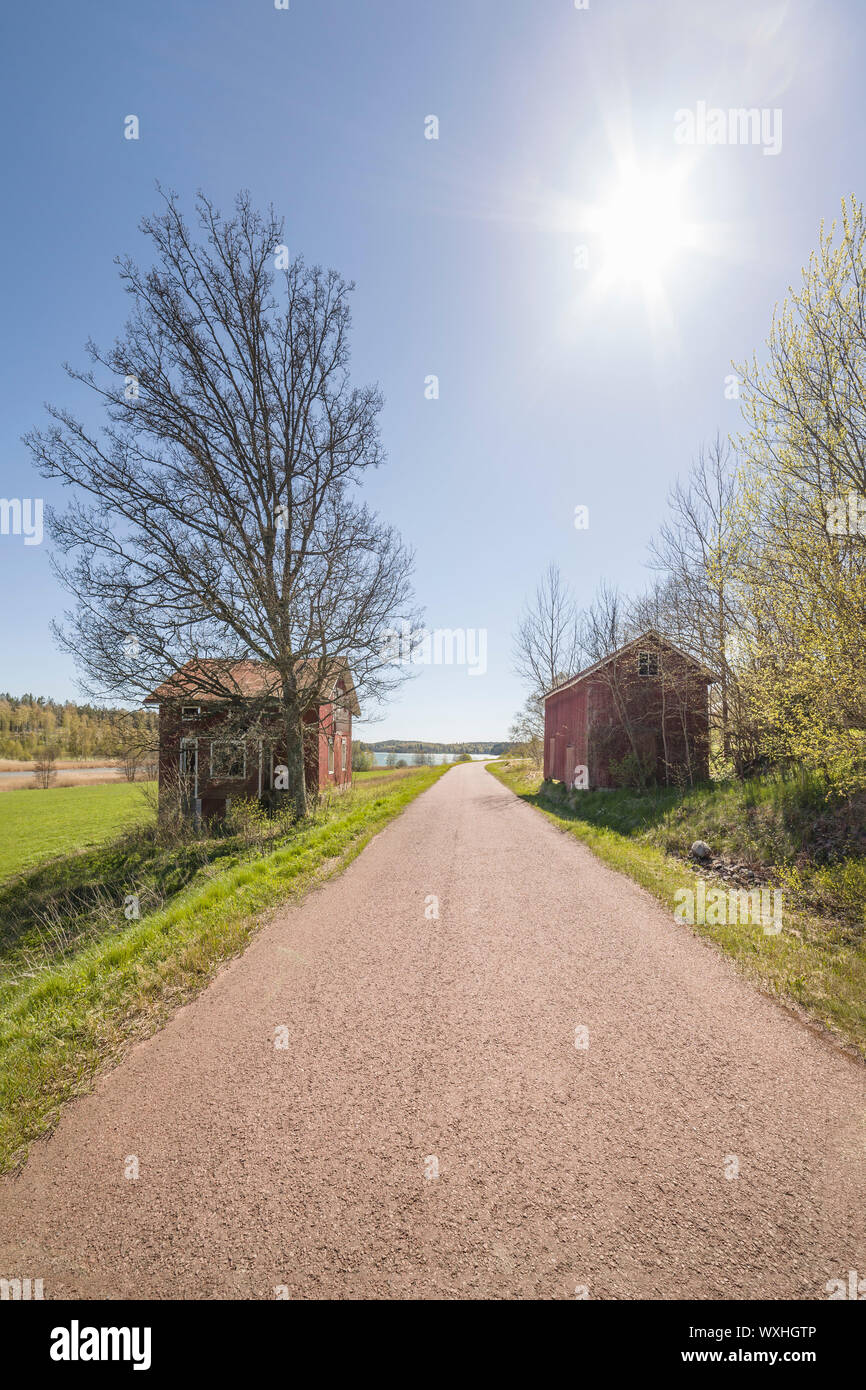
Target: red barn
[[209, 752], [640, 715]]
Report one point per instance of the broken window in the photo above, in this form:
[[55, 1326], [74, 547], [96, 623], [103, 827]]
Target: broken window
[[228, 759]]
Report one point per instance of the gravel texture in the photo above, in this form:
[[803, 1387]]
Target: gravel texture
[[310, 1168]]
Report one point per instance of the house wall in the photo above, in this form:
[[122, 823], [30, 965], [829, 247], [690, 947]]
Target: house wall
[[262, 754], [603, 717], [339, 729], [565, 732]]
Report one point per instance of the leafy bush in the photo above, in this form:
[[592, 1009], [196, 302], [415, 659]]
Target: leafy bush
[[630, 771], [362, 758], [248, 818]]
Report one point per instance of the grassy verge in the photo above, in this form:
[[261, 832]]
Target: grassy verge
[[38, 824], [381, 774], [78, 981], [817, 963]]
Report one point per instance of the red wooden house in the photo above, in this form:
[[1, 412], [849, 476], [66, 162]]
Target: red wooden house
[[640, 715], [220, 735]]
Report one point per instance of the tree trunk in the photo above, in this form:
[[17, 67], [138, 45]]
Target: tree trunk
[[723, 672], [295, 760]]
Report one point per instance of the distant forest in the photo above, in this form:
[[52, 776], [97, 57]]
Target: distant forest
[[398, 745], [30, 725]]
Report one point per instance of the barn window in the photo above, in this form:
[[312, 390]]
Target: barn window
[[648, 663], [190, 711], [228, 759], [345, 753], [331, 756]]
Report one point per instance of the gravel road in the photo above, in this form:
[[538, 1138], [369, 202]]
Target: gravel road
[[417, 1046]]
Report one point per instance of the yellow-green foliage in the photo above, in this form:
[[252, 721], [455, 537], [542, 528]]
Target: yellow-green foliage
[[29, 725], [802, 516]]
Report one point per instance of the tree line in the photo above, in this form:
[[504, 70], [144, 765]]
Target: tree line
[[397, 745], [31, 725]]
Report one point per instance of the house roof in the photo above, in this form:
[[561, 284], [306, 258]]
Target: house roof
[[650, 635], [213, 680]]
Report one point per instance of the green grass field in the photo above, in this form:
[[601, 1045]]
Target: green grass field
[[79, 982], [36, 825]]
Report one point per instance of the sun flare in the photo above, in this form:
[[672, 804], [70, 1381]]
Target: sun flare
[[640, 228]]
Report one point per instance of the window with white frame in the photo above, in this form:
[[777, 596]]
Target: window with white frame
[[190, 711], [345, 753], [228, 760], [188, 756], [331, 756]]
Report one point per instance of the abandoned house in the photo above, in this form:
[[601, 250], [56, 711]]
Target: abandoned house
[[639, 716], [221, 735]]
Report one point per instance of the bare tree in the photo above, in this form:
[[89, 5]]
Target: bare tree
[[215, 516], [137, 745], [45, 768], [697, 548], [527, 730], [129, 761], [546, 651], [605, 625], [546, 646]]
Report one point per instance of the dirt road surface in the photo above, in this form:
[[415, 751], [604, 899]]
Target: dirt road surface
[[417, 1045]]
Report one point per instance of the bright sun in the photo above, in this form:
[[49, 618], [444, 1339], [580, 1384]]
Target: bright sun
[[640, 229]]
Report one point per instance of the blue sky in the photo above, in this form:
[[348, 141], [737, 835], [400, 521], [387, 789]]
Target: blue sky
[[559, 384]]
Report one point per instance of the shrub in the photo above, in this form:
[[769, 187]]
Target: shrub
[[362, 758], [247, 817], [629, 771]]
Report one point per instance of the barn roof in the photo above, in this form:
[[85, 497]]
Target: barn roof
[[650, 635], [209, 679]]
